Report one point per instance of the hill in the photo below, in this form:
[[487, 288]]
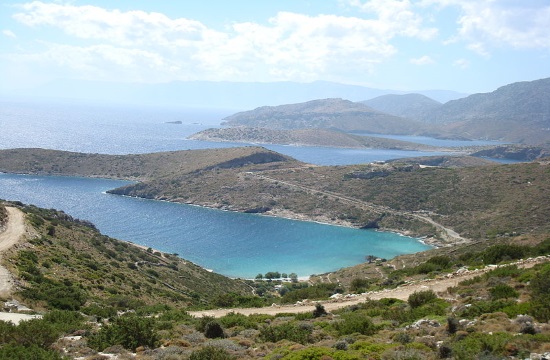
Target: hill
[[132, 167], [411, 106], [477, 202], [338, 114], [304, 137], [518, 112]]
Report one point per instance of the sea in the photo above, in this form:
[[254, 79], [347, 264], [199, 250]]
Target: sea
[[233, 244]]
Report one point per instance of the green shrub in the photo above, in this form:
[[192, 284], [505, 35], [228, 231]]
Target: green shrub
[[478, 344], [213, 330], [24, 352], [130, 331], [419, 298], [320, 353], [64, 321], [352, 323], [540, 294], [359, 285], [211, 353], [315, 292], [319, 310], [288, 331], [503, 291], [371, 350], [235, 319], [101, 312], [35, 332]]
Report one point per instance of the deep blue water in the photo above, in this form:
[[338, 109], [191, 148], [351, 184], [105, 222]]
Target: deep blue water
[[234, 244], [120, 130]]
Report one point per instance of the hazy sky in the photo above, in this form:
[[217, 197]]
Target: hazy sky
[[463, 45]]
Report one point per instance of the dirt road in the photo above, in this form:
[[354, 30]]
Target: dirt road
[[15, 229], [439, 285]]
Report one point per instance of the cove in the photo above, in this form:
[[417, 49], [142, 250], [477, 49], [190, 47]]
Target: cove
[[229, 243]]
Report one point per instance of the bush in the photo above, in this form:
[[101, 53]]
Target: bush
[[319, 310], [359, 285], [452, 325], [353, 323], [419, 298], [288, 331], [474, 345], [19, 352], [320, 353], [130, 331], [540, 294], [211, 353], [35, 332], [64, 321], [503, 291], [235, 319], [213, 330]]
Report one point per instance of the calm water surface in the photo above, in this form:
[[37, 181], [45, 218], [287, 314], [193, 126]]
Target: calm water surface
[[234, 244]]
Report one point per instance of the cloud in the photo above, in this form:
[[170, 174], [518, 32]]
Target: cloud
[[9, 33], [398, 16], [491, 24], [423, 60], [289, 47], [461, 63]]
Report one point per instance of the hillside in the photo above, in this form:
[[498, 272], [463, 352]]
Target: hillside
[[518, 112], [478, 202], [131, 167], [336, 114], [68, 264], [304, 137], [411, 106], [97, 302]]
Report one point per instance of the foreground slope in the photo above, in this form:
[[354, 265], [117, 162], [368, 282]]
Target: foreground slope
[[65, 263]]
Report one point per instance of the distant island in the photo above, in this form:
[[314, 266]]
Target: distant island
[[306, 137]]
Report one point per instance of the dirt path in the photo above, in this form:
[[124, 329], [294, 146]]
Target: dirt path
[[15, 229], [439, 285]]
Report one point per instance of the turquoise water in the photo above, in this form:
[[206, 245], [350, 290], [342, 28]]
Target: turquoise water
[[233, 244]]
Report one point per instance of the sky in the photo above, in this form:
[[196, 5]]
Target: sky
[[468, 46]]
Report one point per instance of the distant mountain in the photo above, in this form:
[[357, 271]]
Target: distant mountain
[[412, 106], [339, 114], [230, 95], [518, 112]]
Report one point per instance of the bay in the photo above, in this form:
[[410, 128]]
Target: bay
[[233, 244]]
